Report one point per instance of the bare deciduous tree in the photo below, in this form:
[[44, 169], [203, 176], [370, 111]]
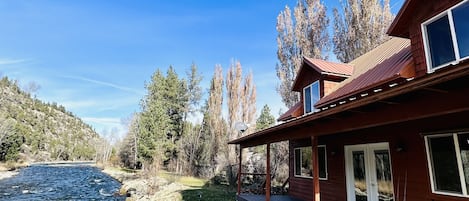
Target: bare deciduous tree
[[216, 125], [305, 35], [360, 27]]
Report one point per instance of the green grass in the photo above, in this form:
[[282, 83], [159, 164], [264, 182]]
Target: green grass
[[201, 189], [209, 193]]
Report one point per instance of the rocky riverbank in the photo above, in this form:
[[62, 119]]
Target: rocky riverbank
[[137, 187], [8, 170]]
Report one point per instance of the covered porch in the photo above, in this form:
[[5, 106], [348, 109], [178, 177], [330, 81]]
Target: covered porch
[[265, 191], [396, 105]]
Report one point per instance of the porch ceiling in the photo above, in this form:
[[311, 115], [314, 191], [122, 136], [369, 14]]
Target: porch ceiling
[[440, 93]]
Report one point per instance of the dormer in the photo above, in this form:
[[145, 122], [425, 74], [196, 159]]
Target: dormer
[[438, 30], [315, 79]]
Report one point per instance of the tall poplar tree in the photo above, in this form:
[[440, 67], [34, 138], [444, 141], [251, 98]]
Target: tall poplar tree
[[359, 27], [213, 118], [304, 34], [241, 95]]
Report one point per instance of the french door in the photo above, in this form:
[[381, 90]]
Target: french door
[[368, 172]]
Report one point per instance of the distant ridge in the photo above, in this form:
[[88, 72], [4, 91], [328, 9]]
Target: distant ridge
[[34, 131]]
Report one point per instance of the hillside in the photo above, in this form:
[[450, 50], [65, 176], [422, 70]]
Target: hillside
[[31, 130]]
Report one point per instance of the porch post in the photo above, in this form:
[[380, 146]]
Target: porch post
[[239, 168], [314, 143], [267, 181]]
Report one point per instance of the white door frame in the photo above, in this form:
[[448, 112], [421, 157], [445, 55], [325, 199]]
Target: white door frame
[[371, 180]]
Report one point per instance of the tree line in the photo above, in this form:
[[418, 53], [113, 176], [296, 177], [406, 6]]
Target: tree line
[[358, 27], [176, 129]]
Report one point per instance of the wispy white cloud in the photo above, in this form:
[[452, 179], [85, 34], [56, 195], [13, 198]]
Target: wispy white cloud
[[108, 84], [6, 61]]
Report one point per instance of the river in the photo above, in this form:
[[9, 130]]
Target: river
[[60, 182]]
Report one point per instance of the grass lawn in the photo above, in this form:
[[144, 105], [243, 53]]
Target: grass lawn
[[201, 189]]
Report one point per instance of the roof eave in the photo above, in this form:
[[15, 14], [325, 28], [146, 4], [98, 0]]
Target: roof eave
[[401, 15]]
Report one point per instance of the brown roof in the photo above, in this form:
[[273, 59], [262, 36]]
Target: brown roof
[[385, 63], [327, 67], [294, 111], [322, 67]]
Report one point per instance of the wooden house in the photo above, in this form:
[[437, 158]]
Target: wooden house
[[397, 128]]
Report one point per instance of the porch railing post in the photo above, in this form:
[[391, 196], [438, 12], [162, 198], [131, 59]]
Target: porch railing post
[[239, 168], [314, 143], [267, 182]]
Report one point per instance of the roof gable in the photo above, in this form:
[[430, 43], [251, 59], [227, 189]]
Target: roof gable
[[410, 11], [323, 68]]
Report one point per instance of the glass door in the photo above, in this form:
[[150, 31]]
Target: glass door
[[368, 171]]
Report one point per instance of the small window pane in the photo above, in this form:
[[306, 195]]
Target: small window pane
[[445, 167], [297, 162], [440, 42], [315, 95], [307, 99], [464, 148], [322, 162], [304, 163], [461, 25], [359, 175]]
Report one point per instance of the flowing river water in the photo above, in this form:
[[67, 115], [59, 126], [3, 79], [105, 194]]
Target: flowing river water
[[60, 182]]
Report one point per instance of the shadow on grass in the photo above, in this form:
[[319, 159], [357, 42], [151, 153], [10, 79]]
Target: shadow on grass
[[209, 193]]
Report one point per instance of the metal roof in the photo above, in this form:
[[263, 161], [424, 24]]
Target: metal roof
[[327, 67], [391, 60], [290, 113]]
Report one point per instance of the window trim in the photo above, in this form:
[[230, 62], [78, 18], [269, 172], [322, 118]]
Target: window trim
[[462, 179], [313, 109], [428, 59], [307, 177]]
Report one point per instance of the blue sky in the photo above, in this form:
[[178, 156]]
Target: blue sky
[[93, 57]]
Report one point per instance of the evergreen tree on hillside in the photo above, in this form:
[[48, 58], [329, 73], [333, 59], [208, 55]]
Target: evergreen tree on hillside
[[40, 131]]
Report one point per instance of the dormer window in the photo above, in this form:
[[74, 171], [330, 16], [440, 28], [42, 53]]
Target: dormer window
[[311, 95], [446, 37]]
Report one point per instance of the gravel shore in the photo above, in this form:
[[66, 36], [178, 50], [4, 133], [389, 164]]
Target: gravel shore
[[157, 188], [4, 173]]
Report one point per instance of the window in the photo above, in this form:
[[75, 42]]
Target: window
[[448, 159], [311, 96], [447, 37], [304, 164]]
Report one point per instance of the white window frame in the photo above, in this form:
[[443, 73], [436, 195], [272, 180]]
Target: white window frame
[[313, 109], [310, 147], [459, 161], [428, 58]]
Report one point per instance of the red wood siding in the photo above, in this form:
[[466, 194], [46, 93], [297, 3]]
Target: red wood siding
[[409, 166], [426, 10], [328, 86]]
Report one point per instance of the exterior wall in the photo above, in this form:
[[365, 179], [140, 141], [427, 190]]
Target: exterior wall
[[328, 86], [409, 166], [425, 11]]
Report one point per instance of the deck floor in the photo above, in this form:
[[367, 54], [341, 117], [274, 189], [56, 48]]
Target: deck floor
[[262, 198]]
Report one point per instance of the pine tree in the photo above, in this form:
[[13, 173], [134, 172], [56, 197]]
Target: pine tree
[[266, 119], [154, 121]]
